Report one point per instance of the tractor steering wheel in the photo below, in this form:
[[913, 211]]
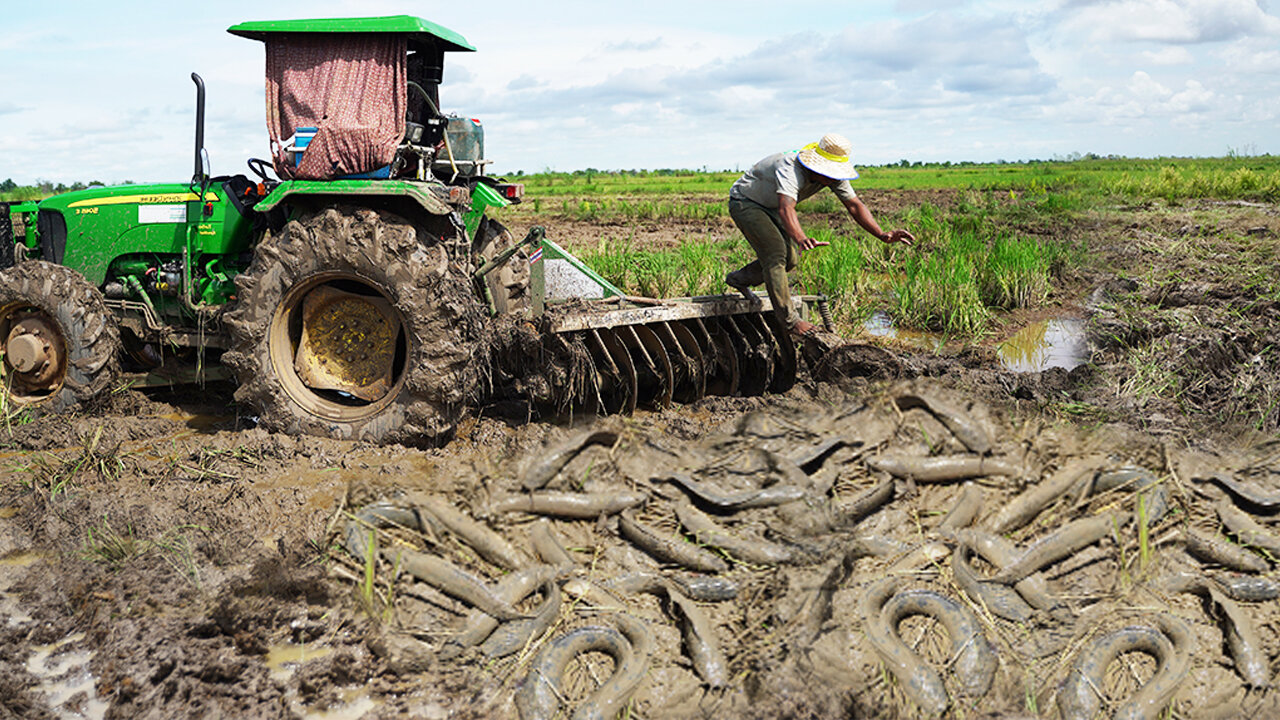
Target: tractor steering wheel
[[259, 168]]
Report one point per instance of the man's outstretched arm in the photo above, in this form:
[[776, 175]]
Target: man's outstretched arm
[[861, 215]]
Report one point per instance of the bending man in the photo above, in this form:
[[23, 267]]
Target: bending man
[[762, 204]]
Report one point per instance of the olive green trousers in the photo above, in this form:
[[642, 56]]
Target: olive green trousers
[[776, 255]]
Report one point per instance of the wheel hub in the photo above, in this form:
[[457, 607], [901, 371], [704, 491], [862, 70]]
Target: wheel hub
[[348, 343], [31, 350]]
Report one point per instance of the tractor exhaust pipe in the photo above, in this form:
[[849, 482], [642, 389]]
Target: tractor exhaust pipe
[[198, 174]]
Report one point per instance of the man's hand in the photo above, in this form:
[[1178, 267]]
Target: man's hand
[[808, 243], [900, 236]]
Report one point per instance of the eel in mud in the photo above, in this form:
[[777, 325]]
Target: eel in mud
[[539, 696], [595, 594], [811, 458], [918, 680], [512, 637], [667, 549], [1140, 481], [488, 544], [1135, 477], [745, 500], [1244, 642], [575, 506], [1254, 496], [1062, 543], [707, 532], [966, 508], [810, 517], [943, 468], [920, 556], [695, 627], [705, 588], [553, 460], [1245, 528], [1000, 553], [548, 547], [1213, 550], [963, 426], [973, 660], [479, 625], [1001, 600], [614, 693], [1247, 588], [1026, 506], [356, 534], [1079, 698], [452, 581], [1240, 632], [861, 507]]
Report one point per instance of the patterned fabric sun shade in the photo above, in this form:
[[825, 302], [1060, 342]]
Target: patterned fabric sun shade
[[350, 86]]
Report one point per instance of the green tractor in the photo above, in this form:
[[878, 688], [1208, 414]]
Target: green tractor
[[349, 284]]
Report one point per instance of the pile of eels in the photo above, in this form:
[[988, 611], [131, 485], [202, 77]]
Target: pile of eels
[[1046, 560]]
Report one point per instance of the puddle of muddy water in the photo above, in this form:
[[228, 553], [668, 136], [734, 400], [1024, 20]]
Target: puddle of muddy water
[[881, 325], [63, 675], [1047, 344], [284, 659]]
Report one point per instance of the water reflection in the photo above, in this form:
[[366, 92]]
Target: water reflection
[[285, 658], [1046, 344], [881, 325]]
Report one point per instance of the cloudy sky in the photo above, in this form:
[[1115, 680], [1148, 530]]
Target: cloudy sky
[[102, 91]]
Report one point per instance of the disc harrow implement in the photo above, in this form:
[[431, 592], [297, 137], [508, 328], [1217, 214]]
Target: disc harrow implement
[[678, 350]]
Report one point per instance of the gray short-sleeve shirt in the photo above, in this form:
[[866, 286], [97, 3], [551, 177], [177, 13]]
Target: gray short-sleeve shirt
[[782, 174]]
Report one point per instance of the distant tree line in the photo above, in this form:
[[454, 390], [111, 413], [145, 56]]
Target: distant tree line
[[10, 190]]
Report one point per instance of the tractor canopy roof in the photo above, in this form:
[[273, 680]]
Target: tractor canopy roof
[[419, 33]]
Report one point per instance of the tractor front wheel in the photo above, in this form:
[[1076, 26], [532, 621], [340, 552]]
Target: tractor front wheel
[[59, 341], [352, 323]]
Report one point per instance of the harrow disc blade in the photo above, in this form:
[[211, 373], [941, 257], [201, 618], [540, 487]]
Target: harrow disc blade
[[694, 385], [753, 365], [783, 350], [653, 350], [628, 383], [724, 379]]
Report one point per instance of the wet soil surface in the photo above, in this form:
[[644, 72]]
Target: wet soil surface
[[160, 557]]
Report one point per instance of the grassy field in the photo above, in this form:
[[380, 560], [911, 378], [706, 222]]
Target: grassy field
[[1000, 243]]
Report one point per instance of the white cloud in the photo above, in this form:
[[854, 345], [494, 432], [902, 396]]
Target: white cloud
[[1176, 55], [1172, 21]]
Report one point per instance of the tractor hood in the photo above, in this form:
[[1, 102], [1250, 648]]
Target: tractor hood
[[419, 32]]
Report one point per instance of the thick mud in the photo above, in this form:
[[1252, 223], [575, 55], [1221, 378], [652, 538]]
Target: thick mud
[[160, 557]]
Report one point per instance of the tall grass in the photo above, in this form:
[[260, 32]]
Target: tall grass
[[964, 266]]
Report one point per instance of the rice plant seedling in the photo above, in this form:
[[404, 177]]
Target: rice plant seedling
[[938, 292], [177, 550], [1015, 273], [105, 544]]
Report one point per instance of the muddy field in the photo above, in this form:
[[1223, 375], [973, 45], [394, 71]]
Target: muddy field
[[160, 557]]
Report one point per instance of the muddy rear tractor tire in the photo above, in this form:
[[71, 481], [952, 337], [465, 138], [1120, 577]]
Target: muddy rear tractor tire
[[60, 344], [352, 323]]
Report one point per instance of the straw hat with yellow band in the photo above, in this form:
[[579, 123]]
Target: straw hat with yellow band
[[830, 156]]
